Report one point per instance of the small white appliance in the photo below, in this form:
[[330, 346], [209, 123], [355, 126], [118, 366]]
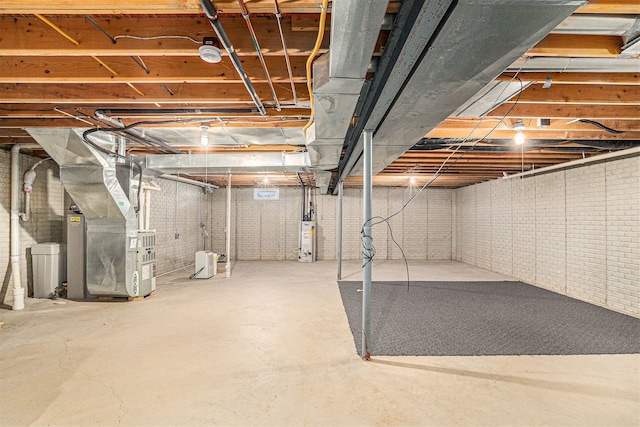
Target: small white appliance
[[206, 265]]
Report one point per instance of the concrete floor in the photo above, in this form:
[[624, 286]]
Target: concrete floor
[[271, 346]]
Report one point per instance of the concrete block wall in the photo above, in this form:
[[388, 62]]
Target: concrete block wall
[[268, 229], [574, 231], [179, 209], [49, 203]]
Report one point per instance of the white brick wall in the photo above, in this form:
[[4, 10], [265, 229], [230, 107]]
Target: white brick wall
[[587, 233], [483, 225], [46, 222], [268, 229], [623, 231], [501, 226], [551, 232], [576, 231], [178, 208]]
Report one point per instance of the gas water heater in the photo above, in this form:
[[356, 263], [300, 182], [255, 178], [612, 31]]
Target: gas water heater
[[308, 233]]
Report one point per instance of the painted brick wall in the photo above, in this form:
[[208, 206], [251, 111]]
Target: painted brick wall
[[587, 233], [179, 208], [576, 231], [501, 227], [623, 235], [268, 229], [46, 222]]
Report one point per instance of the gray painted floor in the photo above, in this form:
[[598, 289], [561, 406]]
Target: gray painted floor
[[271, 346]]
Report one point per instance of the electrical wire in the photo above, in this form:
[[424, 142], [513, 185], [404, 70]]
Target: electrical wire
[[602, 126], [441, 169], [126, 36]]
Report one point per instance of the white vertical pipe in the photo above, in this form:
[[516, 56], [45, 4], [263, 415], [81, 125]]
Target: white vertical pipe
[[366, 250], [18, 290], [340, 200], [141, 212], [227, 266], [147, 210]]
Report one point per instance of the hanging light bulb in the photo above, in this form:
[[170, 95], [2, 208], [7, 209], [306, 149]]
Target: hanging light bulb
[[518, 127], [204, 137], [412, 180]]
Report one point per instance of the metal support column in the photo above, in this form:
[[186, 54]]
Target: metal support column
[[227, 267], [340, 198], [367, 252]]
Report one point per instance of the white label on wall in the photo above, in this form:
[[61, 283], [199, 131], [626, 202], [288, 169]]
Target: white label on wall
[[266, 194]]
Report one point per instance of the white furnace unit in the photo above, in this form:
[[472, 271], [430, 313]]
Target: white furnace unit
[[206, 265], [307, 241]]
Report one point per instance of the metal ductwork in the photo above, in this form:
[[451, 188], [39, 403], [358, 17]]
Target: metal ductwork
[[156, 164], [338, 76], [100, 188], [449, 57]]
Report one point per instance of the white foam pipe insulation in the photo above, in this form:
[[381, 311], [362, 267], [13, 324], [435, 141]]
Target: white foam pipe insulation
[[18, 290], [144, 216]]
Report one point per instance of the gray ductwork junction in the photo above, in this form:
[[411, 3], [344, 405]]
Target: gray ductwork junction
[[100, 187], [472, 43], [338, 77]]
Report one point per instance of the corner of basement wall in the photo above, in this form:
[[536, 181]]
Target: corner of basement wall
[[575, 231]]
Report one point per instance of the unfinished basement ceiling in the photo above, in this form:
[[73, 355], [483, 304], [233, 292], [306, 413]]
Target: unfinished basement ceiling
[[139, 62]]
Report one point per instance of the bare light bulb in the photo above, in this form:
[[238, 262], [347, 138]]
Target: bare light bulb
[[204, 137], [519, 138], [412, 180]]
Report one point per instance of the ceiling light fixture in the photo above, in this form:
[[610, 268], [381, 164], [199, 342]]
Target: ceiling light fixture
[[412, 180], [204, 136], [518, 127], [210, 50]]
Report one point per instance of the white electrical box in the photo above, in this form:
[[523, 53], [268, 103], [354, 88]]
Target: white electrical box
[[206, 265], [307, 241]]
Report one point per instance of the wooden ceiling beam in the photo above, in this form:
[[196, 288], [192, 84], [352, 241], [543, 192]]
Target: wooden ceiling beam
[[151, 7], [28, 36], [588, 94], [161, 70], [208, 94], [577, 78], [531, 134], [555, 125], [620, 7], [560, 111], [578, 46], [68, 122]]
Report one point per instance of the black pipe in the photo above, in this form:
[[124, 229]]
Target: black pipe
[[212, 14]]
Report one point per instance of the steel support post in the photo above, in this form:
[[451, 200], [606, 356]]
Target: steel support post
[[340, 199], [366, 249]]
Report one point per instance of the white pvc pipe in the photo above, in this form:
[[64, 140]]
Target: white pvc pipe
[[227, 267], [18, 290], [147, 209]]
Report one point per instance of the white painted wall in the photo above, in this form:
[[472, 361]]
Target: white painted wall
[[575, 231]]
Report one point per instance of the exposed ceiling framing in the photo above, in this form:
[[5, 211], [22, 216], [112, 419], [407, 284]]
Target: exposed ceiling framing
[[62, 60]]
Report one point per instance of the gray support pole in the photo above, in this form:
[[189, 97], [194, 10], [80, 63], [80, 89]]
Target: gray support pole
[[227, 267], [366, 250], [340, 198]]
